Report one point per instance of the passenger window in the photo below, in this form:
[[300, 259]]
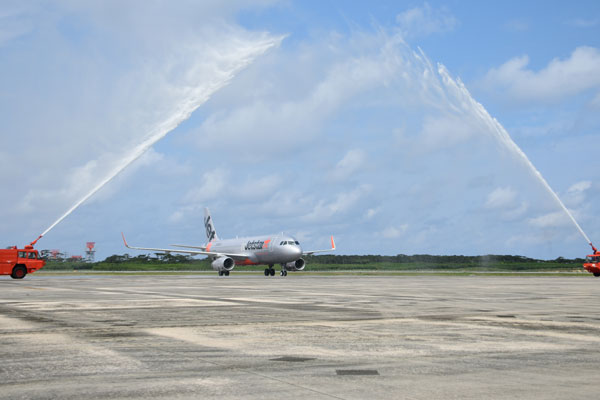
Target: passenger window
[[21, 254]]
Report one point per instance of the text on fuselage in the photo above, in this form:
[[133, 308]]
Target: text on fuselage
[[255, 245]]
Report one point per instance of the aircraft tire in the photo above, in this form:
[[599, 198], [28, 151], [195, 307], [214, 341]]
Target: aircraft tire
[[272, 272], [220, 273], [226, 273], [18, 272], [267, 272]]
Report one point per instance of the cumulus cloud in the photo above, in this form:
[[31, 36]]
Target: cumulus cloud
[[560, 79], [550, 220], [392, 232], [517, 25], [504, 200], [576, 194], [446, 130], [583, 22], [212, 184], [501, 197], [352, 161], [267, 124], [425, 20], [371, 212], [15, 21], [260, 187], [341, 204]]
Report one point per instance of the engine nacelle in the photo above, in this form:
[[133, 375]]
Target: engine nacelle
[[223, 264], [297, 265]]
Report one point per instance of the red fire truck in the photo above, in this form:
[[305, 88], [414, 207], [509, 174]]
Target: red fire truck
[[19, 262], [592, 262]]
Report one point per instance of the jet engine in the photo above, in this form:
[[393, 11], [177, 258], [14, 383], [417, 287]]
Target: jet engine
[[223, 264], [297, 265]]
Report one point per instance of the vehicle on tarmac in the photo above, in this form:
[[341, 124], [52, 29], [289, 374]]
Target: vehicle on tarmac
[[19, 262], [258, 250], [592, 262]]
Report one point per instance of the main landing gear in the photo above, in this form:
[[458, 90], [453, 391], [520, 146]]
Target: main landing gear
[[270, 271], [221, 273]]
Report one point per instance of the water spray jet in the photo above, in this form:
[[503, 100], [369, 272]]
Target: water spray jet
[[197, 96]]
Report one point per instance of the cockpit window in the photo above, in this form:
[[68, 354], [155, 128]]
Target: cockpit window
[[298, 243]]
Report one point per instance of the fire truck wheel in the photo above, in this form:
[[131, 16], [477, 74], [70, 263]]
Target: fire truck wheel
[[18, 272], [596, 274]]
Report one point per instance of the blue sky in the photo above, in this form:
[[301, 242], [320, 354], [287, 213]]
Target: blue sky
[[315, 118]]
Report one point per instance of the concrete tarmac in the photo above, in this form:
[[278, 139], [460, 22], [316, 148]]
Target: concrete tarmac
[[299, 337]]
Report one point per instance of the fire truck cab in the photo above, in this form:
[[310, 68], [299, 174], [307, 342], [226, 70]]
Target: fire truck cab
[[19, 262]]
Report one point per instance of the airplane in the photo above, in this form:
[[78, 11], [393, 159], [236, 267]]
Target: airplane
[[258, 250]]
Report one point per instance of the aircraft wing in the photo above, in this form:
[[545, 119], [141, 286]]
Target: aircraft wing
[[308, 253], [206, 253], [185, 246]]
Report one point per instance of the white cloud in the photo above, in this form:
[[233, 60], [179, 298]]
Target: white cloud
[[576, 194], [15, 21], [446, 130], [341, 204], [268, 125], [560, 79], [371, 212], [393, 232], [550, 220], [425, 20], [352, 161], [583, 22], [580, 187], [259, 187], [517, 25], [502, 197], [213, 184]]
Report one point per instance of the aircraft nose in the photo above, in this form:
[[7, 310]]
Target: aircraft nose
[[295, 251]]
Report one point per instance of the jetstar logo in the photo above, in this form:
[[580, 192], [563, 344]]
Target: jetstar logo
[[255, 245], [210, 231]]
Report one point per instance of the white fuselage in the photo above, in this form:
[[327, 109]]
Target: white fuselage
[[268, 249]]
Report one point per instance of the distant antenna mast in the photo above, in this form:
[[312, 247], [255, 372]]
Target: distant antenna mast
[[90, 252]]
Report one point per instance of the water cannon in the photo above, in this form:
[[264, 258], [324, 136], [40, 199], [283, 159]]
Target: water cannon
[[39, 237], [595, 249]]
